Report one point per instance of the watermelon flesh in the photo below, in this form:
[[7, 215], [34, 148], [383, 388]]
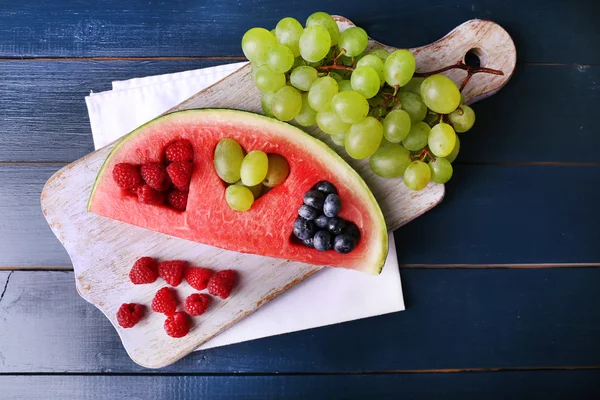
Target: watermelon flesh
[[266, 229]]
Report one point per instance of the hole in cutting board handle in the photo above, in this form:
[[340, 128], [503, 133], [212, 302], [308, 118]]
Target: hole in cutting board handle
[[476, 57]]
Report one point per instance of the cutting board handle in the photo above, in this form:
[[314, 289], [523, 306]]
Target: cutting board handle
[[483, 39]]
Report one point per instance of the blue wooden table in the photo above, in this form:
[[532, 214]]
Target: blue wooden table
[[502, 280]]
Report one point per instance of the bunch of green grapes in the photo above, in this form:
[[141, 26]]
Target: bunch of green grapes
[[368, 101]]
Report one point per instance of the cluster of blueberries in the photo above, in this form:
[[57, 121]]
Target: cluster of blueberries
[[318, 225]]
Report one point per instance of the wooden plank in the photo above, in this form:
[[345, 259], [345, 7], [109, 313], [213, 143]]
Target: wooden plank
[[181, 28], [512, 126], [56, 90], [513, 385], [456, 319], [509, 214], [491, 215]]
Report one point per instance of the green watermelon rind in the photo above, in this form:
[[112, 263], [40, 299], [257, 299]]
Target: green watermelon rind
[[378, 219]]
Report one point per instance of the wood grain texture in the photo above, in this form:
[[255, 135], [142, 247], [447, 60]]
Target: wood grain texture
[[455, 319], [59, 128], [205, 28], [512, 126], [460, 386], [491, 210]]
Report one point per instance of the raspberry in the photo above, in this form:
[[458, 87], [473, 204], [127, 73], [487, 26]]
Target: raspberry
[[172, 271], [143, 271], [127, 176], [155, 176], [180, 173], [177, 325], [180, 150], [147, 195], [198, 277], [177, 199], [196, 304], [164, 301], [221, 283], [129, 314]]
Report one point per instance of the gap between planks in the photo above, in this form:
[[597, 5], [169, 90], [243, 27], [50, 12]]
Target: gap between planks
[[350, 373], [406, 266]]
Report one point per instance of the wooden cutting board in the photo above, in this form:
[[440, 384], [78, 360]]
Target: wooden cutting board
[[102, 251]]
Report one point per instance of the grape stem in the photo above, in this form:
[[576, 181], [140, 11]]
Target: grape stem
[[461, 65], [424, 153], [328, 67]]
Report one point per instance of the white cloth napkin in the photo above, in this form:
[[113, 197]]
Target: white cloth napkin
[[329, 297]]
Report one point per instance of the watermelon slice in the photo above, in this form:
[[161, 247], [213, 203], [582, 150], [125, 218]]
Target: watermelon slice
[[266, 229]]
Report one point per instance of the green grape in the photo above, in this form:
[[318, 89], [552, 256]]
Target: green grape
[[254, 168], [315, 64], [280, 58], [339, 139], [417, 136], [462, 118], [396, 126], [442, 139], [413, 86], [314, 43], [299, 62], [354, 41], [382, 54], [288, 32], [307, 116], [266, 100], [256, 44], [379, 111], [228, 159], [286, 104], [239, 197], [441, 170], [365, 81], [351, 106], [345, 60], [273, 32], [338, 78], [431, 118], [374, 62], [417, 175], [256, 190], [321, 93], [462, 98], [344, 85], [452, 156], [440, 94], [267, 80], [363, 139], [399, 68], [412, 104], [326, 21], [278, 170], [303, 77], [390, 160], [329, 122]]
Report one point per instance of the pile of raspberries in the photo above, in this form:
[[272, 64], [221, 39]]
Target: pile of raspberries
[[158, 183], [147, 270]]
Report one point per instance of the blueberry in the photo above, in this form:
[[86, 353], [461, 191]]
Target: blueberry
[[303, 229], [322, 241], [309, 242], [325, 187], [322, 221], [315, 199], [332, 205], [308, 212], [352, 230], [344, 243], [335, 225]]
